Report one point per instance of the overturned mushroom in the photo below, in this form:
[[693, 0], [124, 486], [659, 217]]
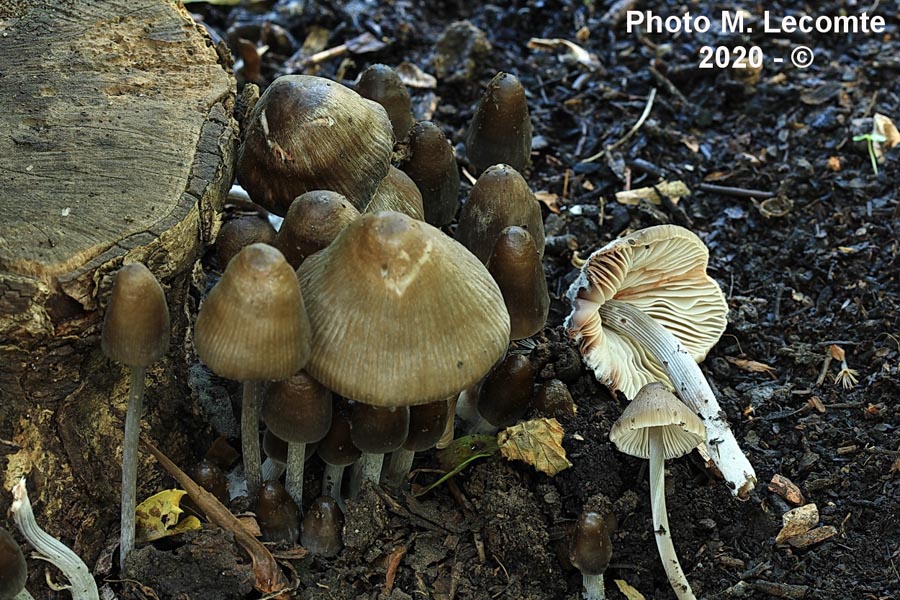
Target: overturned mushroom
[[657, 426], [645, 310]]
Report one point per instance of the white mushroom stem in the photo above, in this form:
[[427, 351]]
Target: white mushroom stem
[[331, 482], [23, 595], [366, 468], [272, 469], [296, 460], [398, 466], [690, 385], [664, 544], [594, 588], [82, 584], [467, 409], [130, 461], [250, 436]]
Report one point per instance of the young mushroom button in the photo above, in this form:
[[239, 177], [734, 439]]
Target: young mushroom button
[[645, 310], [658, 426]]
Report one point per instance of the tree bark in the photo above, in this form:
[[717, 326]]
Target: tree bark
[[117, 147]]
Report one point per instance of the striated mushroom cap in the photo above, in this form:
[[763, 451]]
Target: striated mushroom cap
[[661, 271], [381, 84], [516, 267], [308, 133], [432, 166], [311, 223], [399, 193], [500, 131], [253, 325], [499, 199], [655, 406], [136, 324], [423, 312]]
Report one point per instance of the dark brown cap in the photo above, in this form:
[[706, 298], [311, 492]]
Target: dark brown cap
[[309, 133], [253, 325], [136, 326], [426, 425], [336, 448], [381, 84], [322, 527], [591, 546], [500, 198], [277, 513], [516, 267], [505, 395], [239, 232], [378, 430], [500, 131], [432, 166], [312, 222], [298, 409], [13, 570]]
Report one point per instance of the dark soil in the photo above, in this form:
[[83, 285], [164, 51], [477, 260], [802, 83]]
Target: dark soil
[[815, 265]]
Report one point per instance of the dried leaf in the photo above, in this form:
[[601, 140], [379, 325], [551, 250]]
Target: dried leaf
[[537, 442], [411, 75], [573, 52], [797, 521], [549, 199], [158, 517], [750, 366], [837, 353], [882, 126], [674, 190], [628, 591]]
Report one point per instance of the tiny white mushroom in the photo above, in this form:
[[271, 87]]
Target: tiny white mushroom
[[658, 426]]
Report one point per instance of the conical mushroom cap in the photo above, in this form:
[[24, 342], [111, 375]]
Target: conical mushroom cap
[[424, 312], [516, 267], [381, 84], [311, 223], [499, 199], [399, 193], [432, 166], [661, 271], [500, 131], [136, 325], [253, 325], [309, 133], [655, 406]]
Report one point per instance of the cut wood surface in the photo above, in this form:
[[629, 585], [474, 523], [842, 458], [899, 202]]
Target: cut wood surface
[[117, 146]]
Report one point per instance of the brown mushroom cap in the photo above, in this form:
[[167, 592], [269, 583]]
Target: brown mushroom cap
[[242, 231], [426, 425], [253, 325], [322, 527], [277, 513], [424, 312], [336, 448], [432, 166], [311, 223], [505, 394], [516, 267], [655, 406], [136, 325], [500, 131], [499, 199], [308, 133], [381, 84], [298, 409], [13, 569], [661, 271], [399, 193]]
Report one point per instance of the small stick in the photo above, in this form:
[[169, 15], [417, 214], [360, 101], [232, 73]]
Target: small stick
[[668, 85], [640, 122], [735, 191]]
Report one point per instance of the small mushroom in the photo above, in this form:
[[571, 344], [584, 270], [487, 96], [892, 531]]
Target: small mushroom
[[297, 410], [503, 398], [312, 222], [591, 548], [209, 476], [426, 426], [516, 267], [81, 583], [13, 570], [658, 426], [253, 328], [322, 527], [381, 84], [309, 133], [277, 514], [375, 430], [239, 232], [500, 198], [399, 193], [500, 131], [135, 333], [432, 166], [337, 450], [645, 310]]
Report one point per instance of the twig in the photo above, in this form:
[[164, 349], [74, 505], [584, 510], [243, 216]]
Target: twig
[[668, 86], [269, 578], [640, 122], [735, 191]]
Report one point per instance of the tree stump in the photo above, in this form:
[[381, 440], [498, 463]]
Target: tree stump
[[117, 144]]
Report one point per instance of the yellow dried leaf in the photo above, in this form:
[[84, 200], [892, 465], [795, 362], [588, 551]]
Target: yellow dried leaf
[[549, 199], [537, 442], [674, 190], [628, 591], [751, 366], [158, 516]]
